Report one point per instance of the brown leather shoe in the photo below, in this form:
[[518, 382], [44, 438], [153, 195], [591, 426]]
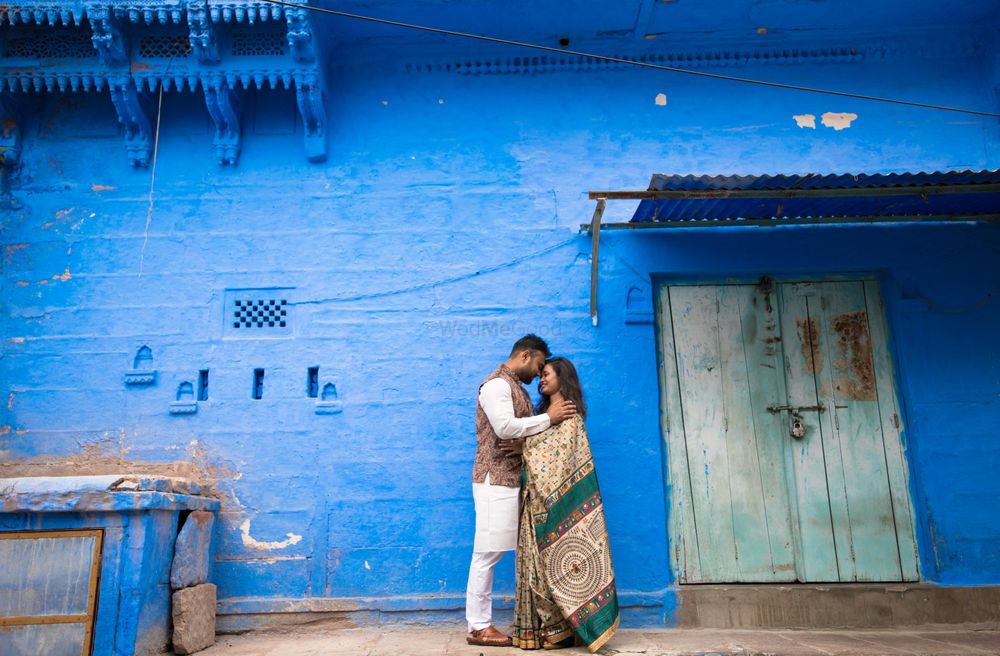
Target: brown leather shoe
[[488, 637]]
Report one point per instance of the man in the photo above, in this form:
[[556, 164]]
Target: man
[[503, 419]]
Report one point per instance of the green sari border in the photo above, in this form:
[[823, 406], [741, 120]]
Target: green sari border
[[602, 639], [578, 502]]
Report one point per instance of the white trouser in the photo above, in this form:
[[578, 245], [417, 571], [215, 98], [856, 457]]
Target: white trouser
[[496, 532], [479, 592]]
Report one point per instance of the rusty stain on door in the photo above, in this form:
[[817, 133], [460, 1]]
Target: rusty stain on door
[[855, 351], [809, 343]]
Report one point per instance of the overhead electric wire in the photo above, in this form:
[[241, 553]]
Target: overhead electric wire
[[631, 62]]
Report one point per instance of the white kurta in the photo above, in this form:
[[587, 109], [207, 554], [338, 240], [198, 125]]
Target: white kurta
[[497, 505], [496, 517]]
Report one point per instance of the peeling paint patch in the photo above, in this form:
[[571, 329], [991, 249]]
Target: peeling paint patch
[[249, 541], [805, 120], [10, 401], [661, 100], [97, 187], [10, 249], [16, 340], [64, 276], [838, 121], [23, 283], [4, 429], [71, 218]]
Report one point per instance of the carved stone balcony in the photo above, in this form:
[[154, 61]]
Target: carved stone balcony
[[135, 48]]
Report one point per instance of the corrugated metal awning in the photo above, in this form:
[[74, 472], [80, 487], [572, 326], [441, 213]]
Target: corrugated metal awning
[[704, 201], [687, 201]]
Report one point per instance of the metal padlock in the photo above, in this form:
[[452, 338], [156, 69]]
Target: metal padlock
[[798, 428]]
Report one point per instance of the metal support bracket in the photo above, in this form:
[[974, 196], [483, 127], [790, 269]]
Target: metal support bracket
[[595, 243]]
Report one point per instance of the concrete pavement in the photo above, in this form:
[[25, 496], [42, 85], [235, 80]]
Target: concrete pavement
[[449, 640]]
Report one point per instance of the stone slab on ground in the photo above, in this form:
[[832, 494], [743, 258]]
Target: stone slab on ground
[[193, 612], [449, 640], [192, 551], [841, 606]]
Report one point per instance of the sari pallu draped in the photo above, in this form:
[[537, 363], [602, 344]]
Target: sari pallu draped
[[565, 580]]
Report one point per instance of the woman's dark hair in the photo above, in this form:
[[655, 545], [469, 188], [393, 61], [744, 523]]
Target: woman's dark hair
[[569, 386]]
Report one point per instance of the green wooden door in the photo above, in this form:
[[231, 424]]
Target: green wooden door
[[750, 502]]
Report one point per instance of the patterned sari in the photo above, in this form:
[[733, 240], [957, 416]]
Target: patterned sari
[[565, 582]]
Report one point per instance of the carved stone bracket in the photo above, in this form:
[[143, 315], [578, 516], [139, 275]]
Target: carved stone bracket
[[138, 137], [312, 105], [300, 35], [225, 104], [10, 132], [204, 39], [108, 39]]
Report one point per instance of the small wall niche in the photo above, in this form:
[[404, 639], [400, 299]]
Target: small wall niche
[[184, 403], [257, 391], [142, 372], [329, 402], [638, 306], [312, 382], [203, 385]]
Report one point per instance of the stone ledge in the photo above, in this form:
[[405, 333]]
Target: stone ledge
[[836, 606]]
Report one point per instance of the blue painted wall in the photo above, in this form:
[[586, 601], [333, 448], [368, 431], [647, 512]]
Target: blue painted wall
[[442, 227]]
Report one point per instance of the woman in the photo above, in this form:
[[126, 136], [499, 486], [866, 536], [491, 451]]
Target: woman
[[565, 582]]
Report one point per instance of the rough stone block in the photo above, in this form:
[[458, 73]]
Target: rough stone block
[[192, 551], [194, 618]]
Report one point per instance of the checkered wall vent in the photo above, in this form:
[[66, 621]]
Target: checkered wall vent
[[258, 312]]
